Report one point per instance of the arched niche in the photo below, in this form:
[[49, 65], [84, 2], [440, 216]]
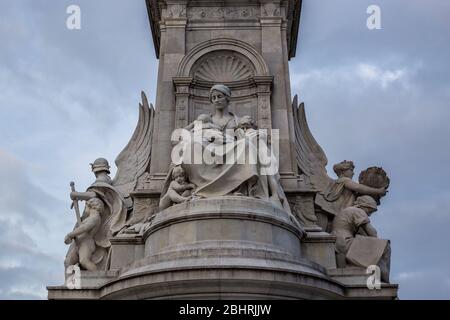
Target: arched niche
[[233, 63]]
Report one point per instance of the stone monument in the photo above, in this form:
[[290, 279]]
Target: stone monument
[[222, 191]]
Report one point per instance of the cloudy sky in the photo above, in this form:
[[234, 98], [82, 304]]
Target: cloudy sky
[[377, 97]]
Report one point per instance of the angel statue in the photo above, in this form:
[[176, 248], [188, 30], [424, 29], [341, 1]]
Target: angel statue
[[341, 193], [179, 190], [132, 163], [332, 195]]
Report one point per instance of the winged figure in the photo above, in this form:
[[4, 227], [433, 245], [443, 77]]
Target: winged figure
[[332, 195], [134, 160], [132, 163]]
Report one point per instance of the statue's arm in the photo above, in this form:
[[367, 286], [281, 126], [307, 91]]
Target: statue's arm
[[175, 186], [175, 197], [363, 189], [179, 188], [369, 230], [87, 225], [82, 195], [190, 126]]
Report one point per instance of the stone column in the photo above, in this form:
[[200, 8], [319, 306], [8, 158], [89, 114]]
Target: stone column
[[173, 49], [263, 91], [182, 101], [273, 49]]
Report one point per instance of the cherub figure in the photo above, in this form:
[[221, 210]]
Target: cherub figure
[[179, 190], [246, 126], [82, 249]]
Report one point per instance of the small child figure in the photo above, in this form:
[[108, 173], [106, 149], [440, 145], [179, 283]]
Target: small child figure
[[206, 122], [211, 133], [180, 184], [179, 189], [246, 126]]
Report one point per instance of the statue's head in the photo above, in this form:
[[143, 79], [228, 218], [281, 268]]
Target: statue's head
[[219, 95], [344, 169], [178, 174], [96, 204], [100, 165], [367, 203], [246, 122]]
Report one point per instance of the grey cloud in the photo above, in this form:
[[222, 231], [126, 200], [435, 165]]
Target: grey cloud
[[68, 97], [29, 256], [24, 269], [420, 259], [17, 190], [401, 125]]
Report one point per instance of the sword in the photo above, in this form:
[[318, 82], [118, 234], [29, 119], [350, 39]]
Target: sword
[[75, 204]]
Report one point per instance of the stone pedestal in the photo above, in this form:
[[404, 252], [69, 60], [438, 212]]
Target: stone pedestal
[[220, 248], [319, 247], [227, 247]]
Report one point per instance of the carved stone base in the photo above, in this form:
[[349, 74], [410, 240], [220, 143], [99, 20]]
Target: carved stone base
[[319, 247], [228, 247], [356, 278]]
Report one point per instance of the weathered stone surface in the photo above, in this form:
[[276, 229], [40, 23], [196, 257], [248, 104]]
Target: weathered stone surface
[[174, 235], [319, 247]]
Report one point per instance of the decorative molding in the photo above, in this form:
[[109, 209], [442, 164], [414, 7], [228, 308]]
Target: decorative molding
[[222, 13], [303, 208], [175, 11], [182, 85], [228, 61], [221, 44], [270, 9], [224, 67]]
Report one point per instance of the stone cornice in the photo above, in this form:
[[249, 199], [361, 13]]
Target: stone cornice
[[293, 9]]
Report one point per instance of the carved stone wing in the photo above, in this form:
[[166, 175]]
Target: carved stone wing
[[311, 159], [134, 160]]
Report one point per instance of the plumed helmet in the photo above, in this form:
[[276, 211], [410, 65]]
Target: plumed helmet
[[100, 164], [366, 201]]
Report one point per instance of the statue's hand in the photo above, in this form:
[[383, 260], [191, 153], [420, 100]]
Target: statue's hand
[[382, 191], [74, 195], [68, 239]]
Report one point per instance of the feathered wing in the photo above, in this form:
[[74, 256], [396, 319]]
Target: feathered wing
[[311, 159], [134, 159]]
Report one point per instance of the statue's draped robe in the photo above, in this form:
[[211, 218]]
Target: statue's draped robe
[[113, 219], [245, 166], [336, 197]]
